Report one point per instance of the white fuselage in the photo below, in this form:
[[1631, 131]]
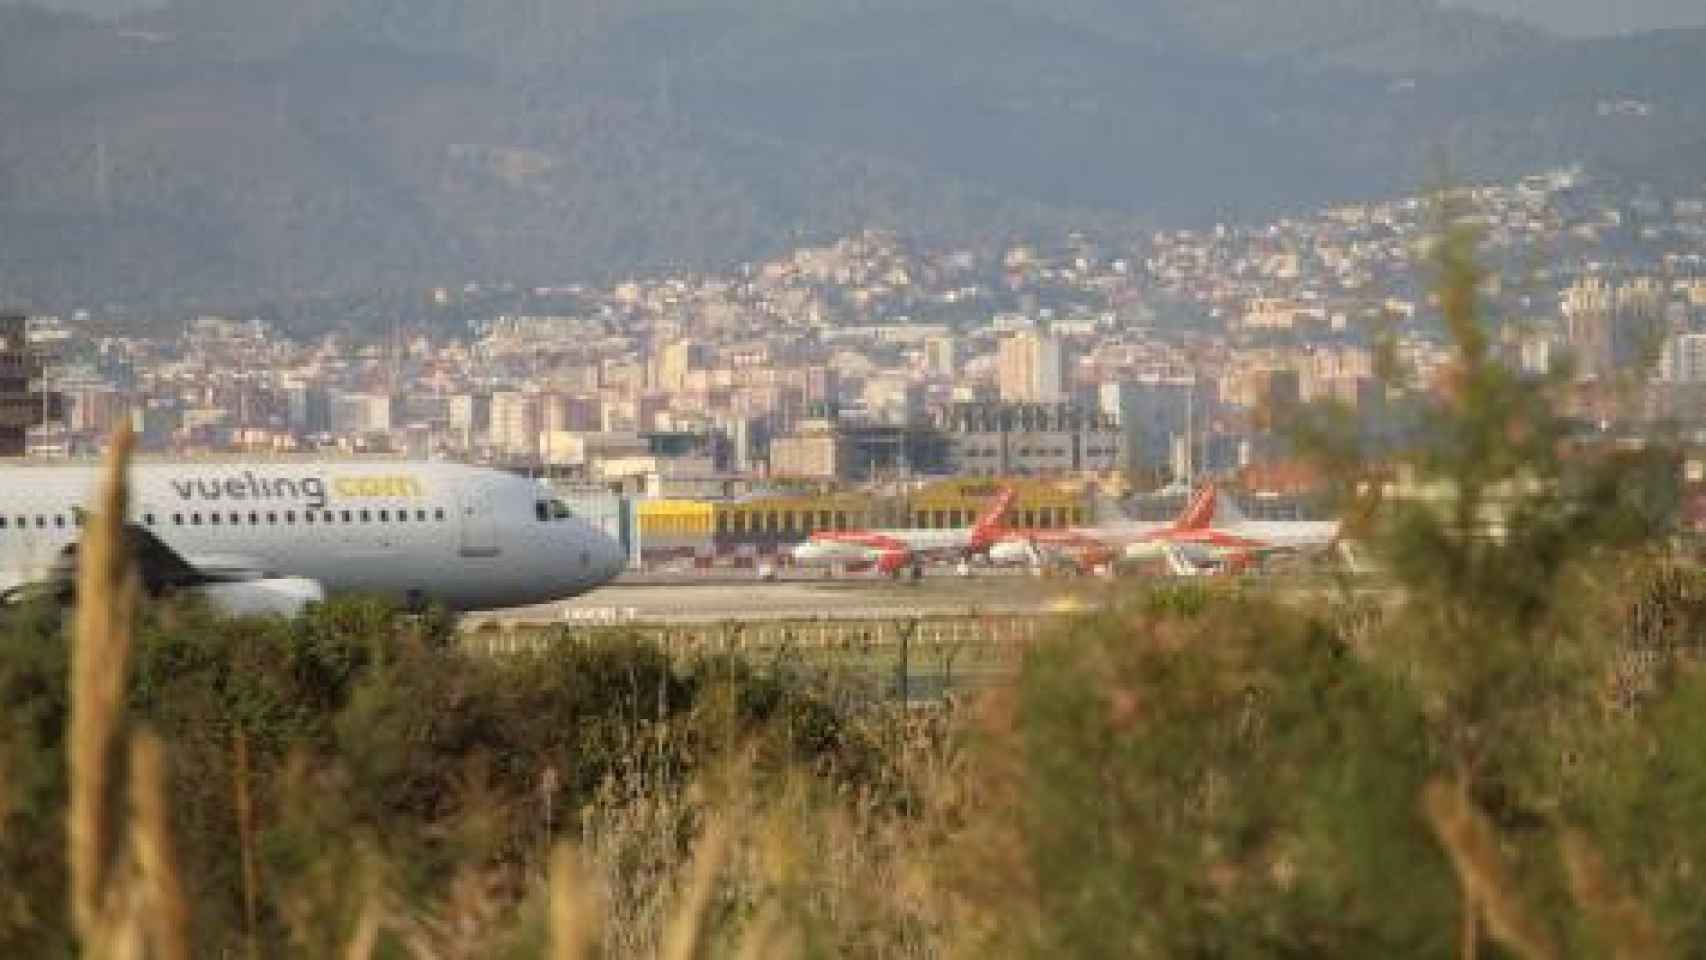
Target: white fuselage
[[853, 546], [467, 537], [1241, 537], [1022, 546]]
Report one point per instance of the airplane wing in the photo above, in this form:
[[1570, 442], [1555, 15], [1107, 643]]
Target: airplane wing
[[235, 587], [161, 568]]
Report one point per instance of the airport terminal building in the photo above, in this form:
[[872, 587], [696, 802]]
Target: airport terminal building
[[744, 532]]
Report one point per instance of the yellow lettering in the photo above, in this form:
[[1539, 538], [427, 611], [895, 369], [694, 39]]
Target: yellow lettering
[[373, 487]]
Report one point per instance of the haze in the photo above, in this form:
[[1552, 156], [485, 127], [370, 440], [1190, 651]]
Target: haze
[[1598, 17], [1577, 17]]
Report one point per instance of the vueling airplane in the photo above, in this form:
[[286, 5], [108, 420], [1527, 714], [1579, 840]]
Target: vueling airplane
[[274, 537]]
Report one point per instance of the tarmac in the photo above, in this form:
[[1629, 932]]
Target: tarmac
[[713, 598]]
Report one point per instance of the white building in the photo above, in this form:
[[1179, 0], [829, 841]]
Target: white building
[[1032, 369]]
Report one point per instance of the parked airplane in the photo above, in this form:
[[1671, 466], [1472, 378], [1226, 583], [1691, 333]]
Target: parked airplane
[[274, 537], [1086, 548], [895, 550], [1228, 537]]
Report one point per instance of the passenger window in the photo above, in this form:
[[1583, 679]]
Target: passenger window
[[195, 519], [420, 515], [541, 510], [41, 521], [366, 517], [402, 516], [328, 516], [438, 514], [344, 515], [236, 518], [148, 518], [177, 519], [290, 516], [213, 518], [384, 516], [272, 517], [254, 519], [2, 523], [23, 522], [59, 520]]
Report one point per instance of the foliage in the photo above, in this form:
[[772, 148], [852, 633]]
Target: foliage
[[373, 751]]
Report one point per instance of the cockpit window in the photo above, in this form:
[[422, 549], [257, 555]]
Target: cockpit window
[[549, 510]]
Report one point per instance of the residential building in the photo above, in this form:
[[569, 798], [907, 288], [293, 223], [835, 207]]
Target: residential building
[[1032, 368]]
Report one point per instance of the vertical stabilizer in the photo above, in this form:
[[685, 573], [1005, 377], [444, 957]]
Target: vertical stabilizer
[[1199, 513], [993, 519], [1226, 513]]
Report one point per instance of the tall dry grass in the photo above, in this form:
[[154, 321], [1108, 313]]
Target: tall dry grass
[[127, 897]]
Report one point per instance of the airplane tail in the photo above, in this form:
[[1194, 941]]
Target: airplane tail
[[1199, 513], [992, 520], [1226, 513]]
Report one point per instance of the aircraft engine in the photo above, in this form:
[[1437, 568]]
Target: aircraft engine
[[892, 561], [267, 596]]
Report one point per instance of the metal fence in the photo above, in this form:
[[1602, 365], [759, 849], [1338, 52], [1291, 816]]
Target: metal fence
[[910, 658]]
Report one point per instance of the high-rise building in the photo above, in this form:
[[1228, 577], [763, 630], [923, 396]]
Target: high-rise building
[[23, 404], [470, 416], [1639, 327], [516, 423], [309, 408], [673, 362], [940, 356], [1587, 311], [1683, 359], [362, 413], [1032, 369], [1149, 414]]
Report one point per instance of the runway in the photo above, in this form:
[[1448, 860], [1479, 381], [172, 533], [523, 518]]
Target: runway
[[689, 599]]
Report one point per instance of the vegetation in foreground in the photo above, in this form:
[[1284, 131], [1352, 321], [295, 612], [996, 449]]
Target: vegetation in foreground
[[1504, 761]]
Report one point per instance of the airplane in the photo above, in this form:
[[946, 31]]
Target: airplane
[[1229, 540], [1089, 548], [895, 550], [274, 537]]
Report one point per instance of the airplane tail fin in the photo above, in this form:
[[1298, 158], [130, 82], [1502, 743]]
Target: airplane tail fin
[[992, 519], [1226, 512], [1199, 512]]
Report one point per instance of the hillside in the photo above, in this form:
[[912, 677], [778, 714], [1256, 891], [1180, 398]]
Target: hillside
[[243, 151]]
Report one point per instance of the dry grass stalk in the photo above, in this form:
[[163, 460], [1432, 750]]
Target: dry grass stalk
[[573, 916], [106, 592], [1487, 887], [687, 924], [763, 939], [167, 915], [366, 935], [1630, 929], [246, 840]]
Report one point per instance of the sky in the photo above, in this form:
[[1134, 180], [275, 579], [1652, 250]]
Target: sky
[[1576, 17]]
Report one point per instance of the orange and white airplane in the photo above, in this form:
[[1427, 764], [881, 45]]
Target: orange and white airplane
[[1087, 548], [1228, 539], [895, 550], [1210, 535]]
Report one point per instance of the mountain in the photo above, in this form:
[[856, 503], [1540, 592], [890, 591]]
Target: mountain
[[232, 151]]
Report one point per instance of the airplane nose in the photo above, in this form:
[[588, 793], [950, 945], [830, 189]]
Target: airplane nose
[[611, 559]]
